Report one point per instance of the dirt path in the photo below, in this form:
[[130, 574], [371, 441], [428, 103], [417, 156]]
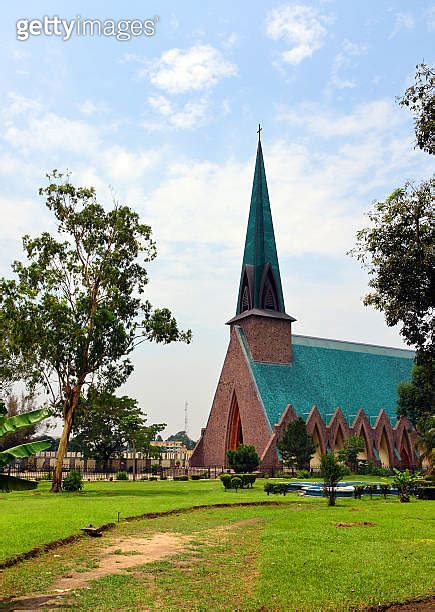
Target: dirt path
[[121, 554]]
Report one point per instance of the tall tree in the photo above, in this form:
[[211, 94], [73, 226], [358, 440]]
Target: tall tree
[[76, 310], [296, 444], [397, 251], [416, 397], [349, 453], [420, 99]]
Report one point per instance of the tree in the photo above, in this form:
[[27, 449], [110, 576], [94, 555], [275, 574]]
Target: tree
[[349, 453], [416, 397], [243, 460], [8, 426], [332, 471], [420, 99], [397, 251], [77, 310], [403, 482], [106, 425], [14, 407], [296, 445], [426, 441], [184, 438]]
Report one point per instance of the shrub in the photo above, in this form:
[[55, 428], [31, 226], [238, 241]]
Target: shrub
[[226, 481], [72, 482], [121, 475], [371, 489], [248, 480], [163, 477], [204, 475], [153, 478], [181, 478], [304, 474], [276, 488], [144, 478], [195, 477], [425, 491], [155, 468], [236, 483], [404, 482]]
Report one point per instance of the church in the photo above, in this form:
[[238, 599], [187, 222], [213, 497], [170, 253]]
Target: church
[[271, 376]]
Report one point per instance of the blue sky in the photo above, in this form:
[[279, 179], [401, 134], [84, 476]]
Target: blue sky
[[169, 122]]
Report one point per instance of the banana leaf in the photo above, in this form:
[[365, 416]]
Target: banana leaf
[[10, 424], [10, 483], [23, 451]]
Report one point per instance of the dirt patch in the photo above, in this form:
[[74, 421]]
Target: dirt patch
[[416, 604], [356, 524], [123, 554]]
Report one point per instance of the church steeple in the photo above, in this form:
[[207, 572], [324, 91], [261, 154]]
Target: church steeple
[[260, 283]]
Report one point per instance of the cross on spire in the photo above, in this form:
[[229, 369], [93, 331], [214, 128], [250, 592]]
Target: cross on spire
[[260, 129]]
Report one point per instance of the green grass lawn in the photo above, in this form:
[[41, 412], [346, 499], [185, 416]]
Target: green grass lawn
[[39, 516], [288, 557]]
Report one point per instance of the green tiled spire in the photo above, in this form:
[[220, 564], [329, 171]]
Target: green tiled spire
[[260, 269]]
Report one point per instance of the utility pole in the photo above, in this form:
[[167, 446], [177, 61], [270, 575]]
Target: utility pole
[[185, 417]]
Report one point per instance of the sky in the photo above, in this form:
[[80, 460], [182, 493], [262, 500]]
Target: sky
[[167, 123]]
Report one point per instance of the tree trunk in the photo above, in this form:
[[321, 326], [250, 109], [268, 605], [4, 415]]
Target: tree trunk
[[69, 410], [134, 461]]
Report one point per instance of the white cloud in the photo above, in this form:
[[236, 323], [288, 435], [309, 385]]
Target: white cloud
[[18, 104], [300, 26], [344, 60], [403, 21], [199, 67], [89, 107], [379, 116], [430, 17], [190, 115]]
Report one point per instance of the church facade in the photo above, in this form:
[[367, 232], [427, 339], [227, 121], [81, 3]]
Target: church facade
[[270, 376]]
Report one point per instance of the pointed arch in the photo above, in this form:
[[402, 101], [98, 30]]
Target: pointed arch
[[384, 449], [405, 450], [268, 290], [317, 439], [234, 428], [339, 438]]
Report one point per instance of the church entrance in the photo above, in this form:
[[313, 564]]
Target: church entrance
[[384, 453], [235, 432]]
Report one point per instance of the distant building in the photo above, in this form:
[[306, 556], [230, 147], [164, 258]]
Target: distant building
[[270, 375]]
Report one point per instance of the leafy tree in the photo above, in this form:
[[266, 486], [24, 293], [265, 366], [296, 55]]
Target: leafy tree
[[296, 445], [244, 459], [416, 397], [403, 481], [77, 310], [426, 440], [420, 99], [349, 453], [184, 438], [397, 251], [106, 425], [15, 406], [9, 425], [332, 471]]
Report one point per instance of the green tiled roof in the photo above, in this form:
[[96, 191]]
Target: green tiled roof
[[331, 374], [260, 247]]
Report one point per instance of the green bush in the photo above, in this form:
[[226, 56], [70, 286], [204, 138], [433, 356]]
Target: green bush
[[226, 481], [244, 459], [372, 489], [181, 478], [163, 477], [304, 474], [155, 468], [426, 492], [72, 482], [121, 475], [236, 483], [144, 478], [247, 480], [153, 478], [276, 488], [195, 477]]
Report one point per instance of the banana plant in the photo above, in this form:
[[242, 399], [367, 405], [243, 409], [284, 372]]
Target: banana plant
[[9, 425]]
